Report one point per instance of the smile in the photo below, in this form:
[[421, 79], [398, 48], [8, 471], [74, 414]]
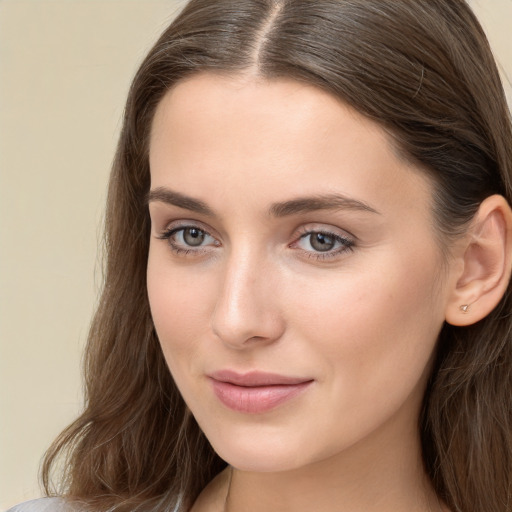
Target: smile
[[256, 392]]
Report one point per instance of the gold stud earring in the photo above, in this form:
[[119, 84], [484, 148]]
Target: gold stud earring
[[464, 308]]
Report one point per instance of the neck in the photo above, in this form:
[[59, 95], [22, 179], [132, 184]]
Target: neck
[[372, 476]]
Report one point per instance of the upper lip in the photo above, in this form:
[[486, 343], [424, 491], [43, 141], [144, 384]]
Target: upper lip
[[256, 378]]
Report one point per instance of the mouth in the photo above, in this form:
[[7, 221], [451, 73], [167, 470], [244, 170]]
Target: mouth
[[256, 392]]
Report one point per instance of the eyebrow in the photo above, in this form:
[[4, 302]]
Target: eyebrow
[[281, 209], [165, 195], [321, 202]]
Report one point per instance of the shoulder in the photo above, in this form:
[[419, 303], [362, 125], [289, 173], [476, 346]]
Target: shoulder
[[44, 505]]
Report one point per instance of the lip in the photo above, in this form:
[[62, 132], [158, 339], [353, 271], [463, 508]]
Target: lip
[[256, 392]]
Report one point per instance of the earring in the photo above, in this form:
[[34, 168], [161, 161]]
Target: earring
[[464, 308]]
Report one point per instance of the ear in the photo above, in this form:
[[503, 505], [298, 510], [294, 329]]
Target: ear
[[484, 264]]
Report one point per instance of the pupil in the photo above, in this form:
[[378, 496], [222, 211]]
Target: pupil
[[193, 236], [321, 242]]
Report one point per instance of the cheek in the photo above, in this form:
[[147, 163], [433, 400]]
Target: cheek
[[179, 312], [375, 325]]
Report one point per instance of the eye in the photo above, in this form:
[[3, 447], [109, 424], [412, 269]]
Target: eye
[[321, 241], [186, 239], [190, 236], [324, 244]]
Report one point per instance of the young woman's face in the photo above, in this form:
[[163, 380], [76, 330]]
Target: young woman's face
[[294, 274]]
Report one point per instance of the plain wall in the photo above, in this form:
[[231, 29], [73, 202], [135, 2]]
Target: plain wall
[[65, 67]]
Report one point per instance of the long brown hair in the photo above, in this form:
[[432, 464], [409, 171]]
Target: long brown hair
[[423, 70]]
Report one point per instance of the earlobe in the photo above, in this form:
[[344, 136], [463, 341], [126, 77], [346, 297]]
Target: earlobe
[[486, 264]]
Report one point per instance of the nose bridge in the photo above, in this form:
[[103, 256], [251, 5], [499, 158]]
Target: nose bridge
[[246, 309]]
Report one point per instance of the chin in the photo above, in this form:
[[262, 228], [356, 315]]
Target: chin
[[257, 449], [250, 459]]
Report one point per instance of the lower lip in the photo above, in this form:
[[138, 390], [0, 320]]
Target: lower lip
[[256, 399]]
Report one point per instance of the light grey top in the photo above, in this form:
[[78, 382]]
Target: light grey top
[[43, 505], [48, 505]]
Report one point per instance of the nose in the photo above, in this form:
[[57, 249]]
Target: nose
[[247, 312]]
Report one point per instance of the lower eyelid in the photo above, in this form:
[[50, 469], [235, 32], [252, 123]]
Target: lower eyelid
[[181, 249], [337, 253], [345, 245]]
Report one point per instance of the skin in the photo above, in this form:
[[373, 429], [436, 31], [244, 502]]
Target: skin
[[361, 322]]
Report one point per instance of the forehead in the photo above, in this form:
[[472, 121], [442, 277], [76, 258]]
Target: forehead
[[273, 138]]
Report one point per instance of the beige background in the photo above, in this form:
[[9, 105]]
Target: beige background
[[65, 67]]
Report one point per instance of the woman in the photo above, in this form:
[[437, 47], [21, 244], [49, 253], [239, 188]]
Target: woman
[[308, 224]]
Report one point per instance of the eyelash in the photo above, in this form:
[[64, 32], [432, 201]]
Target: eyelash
[[346, 244], [170, 232]]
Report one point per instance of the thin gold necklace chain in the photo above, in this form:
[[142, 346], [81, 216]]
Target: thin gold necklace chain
[[229, 489]]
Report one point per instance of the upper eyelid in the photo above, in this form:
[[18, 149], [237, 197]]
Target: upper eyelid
[[327, 229], [346, 241], [187, 223], [336, 236], [297, 233]]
